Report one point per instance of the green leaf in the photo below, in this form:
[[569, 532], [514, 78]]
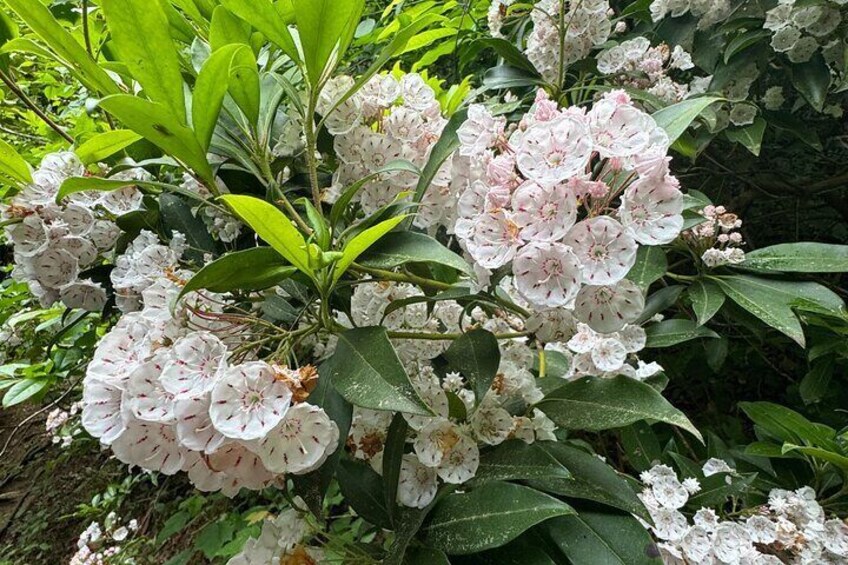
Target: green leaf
[[273, 227], [716, 489], [707, 299], [812, 80], [804, 257], [162, 128], [393, 460], [228, 68], [71, 53], [477, 356], [488, 517], [362, 488], [599, 538], [425, 556], [269, 19], [23, 390], [772, 301], [105, 145], [252, 269], [13, 166], [505, 49], [347, 195], [592, 479], [677, 118], [831, 457], [651, 265], [672, 332], [750, 136], [516, 460], [226, 29], [641, 446], [660, 300], [789, 426], [359, 244], [444, 148], [366, 371], [815, 384], [400, 248], [325, 28], [178, 217], [140, 35], [743, 41], [595, 404]]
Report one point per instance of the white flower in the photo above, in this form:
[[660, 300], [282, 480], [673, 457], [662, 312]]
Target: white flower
[[731, 542], [145, 397], [248, 401], [551, 152], [547, 274], [836, 537], [85, 295], [151, 446], [669, 525], [606, 252], [696, 544], [300, 443], [491, 423], [196, 362], [101, 410], [651, 209], [545, 213], [443, 445], [669, 492], [194, 425], [714, 466], [691, 485], [417, 483], [609, 355], [609, 308], [761, 529], [619, 129], [480, 131], [494, 239]]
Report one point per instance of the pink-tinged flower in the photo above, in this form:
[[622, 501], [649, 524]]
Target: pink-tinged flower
[[500, 171], [609, 355], [248, 401], [551, 152], [652, 210], [544, 109], [242, 468], [495, 238], [197, 360], [200, 475], [584, 188], [300, 443], [101, 410], [606, 252], [195, 430], [145, 397], [619, 130], [480, 198], [151, 446], [480, 131], [547, 274], [546, 213], [607, 309]]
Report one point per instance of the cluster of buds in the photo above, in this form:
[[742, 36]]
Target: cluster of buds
[[717, 240]]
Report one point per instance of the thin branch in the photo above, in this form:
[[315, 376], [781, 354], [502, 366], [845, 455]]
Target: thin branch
[[7, 80]]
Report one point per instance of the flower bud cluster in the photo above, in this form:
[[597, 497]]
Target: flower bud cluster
[[717, 240]]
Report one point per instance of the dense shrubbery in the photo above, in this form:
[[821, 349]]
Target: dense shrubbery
[[431, 282]]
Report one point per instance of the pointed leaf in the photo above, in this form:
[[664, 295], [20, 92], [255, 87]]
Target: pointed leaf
[[155, 122], [804, 257], [366, 371], [651, 265], [269, 19], [595, 404], [140, 34], [273, 227], [672, 332], [707, 299], [325, 28], [750, 136], [252, 269], [677, 118], [516, 460], [359, 244], [362, 488], [105, 145], [477, 356], [13, 166], [488, 517], [400, 248], [596, 538]]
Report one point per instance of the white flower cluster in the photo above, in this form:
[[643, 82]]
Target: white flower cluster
[[708, 12], [102, 546], [717, 239], [53, 243], [225, 227], [162, 392], [444, 447], [585, 24], [141, 265], [497, 12], [387, 120], [792, 525], [567, 198], [801, 29], [282, 540], [634, 63], [62, 426]]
